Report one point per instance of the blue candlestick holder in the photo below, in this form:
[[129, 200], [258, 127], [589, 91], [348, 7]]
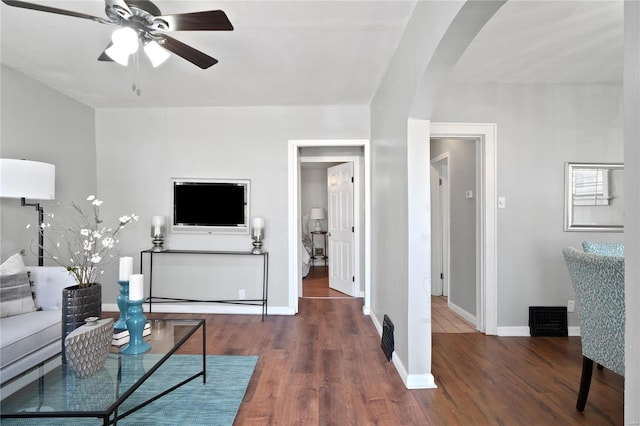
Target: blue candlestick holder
[[135, 323], [122, 299]]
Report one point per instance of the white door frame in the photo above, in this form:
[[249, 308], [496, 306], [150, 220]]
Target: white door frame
[[486, 136], [295, 268]]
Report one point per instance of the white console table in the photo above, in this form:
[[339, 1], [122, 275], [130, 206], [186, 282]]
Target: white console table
[[255, 302]]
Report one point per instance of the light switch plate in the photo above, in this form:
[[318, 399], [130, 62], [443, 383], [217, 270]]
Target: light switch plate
[[502, 202]]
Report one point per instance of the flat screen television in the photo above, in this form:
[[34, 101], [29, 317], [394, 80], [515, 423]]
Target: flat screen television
[[210, 205]]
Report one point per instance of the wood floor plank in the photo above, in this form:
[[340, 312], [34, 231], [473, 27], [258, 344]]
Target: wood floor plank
[[325, 366]]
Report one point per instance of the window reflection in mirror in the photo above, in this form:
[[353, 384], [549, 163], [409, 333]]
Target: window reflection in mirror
[[593, 197]]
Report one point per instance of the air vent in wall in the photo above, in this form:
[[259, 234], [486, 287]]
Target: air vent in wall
[[387, 338], [548, 321]]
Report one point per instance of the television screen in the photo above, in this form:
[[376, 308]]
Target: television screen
[[210, 206]]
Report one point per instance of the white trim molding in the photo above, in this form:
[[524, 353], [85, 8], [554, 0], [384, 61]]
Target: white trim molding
[[205, 308], [524, 331]]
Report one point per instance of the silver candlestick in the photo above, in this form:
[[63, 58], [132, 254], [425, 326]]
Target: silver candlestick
[[257, 234], [158, 231]]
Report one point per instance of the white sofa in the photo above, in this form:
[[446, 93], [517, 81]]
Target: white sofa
[[29, 338]]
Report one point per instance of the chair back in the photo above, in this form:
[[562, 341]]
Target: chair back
[[599, 284], [608, 249]]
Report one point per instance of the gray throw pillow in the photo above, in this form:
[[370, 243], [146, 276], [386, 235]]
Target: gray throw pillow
[[15, 295]]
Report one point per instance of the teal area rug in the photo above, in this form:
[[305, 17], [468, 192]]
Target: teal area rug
[[215, 403]]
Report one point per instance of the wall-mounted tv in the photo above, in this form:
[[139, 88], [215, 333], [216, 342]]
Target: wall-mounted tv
[[210, 205]]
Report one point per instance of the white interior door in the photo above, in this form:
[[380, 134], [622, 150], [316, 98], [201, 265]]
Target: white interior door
[[340, 231], [440, 270]]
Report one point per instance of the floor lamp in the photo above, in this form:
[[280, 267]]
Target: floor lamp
[[29, 179]]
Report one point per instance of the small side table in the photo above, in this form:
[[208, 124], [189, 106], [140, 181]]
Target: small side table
[[315, 257]]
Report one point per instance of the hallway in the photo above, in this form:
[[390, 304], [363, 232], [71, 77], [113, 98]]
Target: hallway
[[444, 320]]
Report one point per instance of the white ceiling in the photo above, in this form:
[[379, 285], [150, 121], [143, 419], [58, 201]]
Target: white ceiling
[[300, 52]]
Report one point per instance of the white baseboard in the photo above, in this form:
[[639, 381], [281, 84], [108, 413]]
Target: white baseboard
[[202, 308], [513, 331], [376, 323], [411, 381], [464, 314], [522, 331]]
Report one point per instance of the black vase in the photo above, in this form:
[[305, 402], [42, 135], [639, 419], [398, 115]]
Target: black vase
[[79, 303]]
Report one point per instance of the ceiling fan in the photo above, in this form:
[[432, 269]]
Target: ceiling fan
[[142, 22]]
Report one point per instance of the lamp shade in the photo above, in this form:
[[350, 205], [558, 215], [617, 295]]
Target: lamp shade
[[317, 213], [27, 179], [156, 53]]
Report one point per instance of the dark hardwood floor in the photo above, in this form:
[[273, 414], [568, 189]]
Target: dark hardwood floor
[[316, 284], [324, 366], [444, 320]]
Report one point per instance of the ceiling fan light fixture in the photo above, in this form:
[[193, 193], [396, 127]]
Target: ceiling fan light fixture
[[156, 53], [116, 53], [126, 39]]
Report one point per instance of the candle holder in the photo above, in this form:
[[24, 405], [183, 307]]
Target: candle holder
[[257, 244], [122, 299], [158, 233], [158, 243], [257, 234], [135, 324]]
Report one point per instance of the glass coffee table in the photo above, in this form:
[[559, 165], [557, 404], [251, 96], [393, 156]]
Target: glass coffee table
[[56, 391]]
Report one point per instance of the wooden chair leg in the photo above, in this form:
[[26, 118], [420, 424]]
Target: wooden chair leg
[[585, 383]]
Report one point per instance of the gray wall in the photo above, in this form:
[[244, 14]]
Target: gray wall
[[462, 177], [137, 159], [313, 193], [540, 127], [632, 210], [40, 124]]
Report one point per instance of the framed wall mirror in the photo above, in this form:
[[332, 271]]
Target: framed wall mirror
[[594, 197]]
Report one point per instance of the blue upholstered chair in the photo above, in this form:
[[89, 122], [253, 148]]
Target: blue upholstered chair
[[608, 249], [599, 284]]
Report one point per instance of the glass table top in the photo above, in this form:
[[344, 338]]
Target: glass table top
[[61, 391]]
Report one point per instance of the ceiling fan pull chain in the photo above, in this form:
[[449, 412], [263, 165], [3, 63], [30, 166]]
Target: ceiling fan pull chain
[[134, 87]]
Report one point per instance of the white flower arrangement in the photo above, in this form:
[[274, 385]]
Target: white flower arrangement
[[81, 243]]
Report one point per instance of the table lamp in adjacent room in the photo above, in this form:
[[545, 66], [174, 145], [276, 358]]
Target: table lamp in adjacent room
[[317, 214], [29, 179]]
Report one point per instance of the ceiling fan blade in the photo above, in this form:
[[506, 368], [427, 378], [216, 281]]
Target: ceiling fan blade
[[42, 8], [187, 52], [212, 20], [104, 57]]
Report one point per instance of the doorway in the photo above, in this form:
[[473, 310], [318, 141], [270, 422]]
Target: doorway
[[484, 136], [327, 151], [455, 216], [326, 209]]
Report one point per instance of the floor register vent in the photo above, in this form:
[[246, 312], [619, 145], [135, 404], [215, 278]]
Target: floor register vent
[[548, 321], [387, 338]]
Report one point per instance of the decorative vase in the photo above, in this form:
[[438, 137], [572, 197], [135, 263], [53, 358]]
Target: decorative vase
[[87, 347], [79, 303]]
